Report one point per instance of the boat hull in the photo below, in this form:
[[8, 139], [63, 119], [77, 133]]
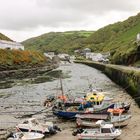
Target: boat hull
[[71, 114], [94, 125], [81, 137], [37, 131], [117, 122], [26, 136], [32, 136]]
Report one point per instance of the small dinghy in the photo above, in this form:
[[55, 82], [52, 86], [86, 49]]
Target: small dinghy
[[104, 132], [33, 125], [26, 136]]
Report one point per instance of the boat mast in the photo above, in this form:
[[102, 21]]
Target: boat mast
[[61, 88]]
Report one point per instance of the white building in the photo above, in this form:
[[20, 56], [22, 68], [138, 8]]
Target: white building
[[11, 45], [96, 57], [64, 56]]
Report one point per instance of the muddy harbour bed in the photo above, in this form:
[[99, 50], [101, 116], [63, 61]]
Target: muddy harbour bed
[[25, 98]]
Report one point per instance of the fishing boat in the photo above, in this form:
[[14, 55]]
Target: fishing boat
[[70, 113], [117, 119], [33, 125], [95, 94], [104, 132], [26, 136], [98, 97]]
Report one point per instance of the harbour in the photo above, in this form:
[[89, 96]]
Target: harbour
[[27, 99]]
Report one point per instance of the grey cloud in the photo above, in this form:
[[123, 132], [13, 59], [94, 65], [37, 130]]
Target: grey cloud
[[27, 14], [88, 6]]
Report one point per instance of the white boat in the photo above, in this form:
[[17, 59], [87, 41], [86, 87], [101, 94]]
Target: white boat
[[104, 132], [26, 136], [33, 125], [32, 136]]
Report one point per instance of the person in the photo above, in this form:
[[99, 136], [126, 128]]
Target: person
[[81, 107], [88, 104]]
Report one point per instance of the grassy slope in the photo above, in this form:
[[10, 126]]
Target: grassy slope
[[3, 37], [58, 41], [119, 39]]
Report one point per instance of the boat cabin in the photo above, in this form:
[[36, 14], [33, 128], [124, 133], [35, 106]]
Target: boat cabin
[[95, 98], [102, 130], [107, 128]]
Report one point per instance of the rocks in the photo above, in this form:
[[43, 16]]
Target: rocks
[[9, 78], [24, 73]]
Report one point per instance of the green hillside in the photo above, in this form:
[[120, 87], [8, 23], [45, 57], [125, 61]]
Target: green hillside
[[58, 41], [3, 37], [119, 39]]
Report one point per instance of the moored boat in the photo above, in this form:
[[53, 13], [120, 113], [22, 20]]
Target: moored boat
[[71, 113], [89, 120], [33, 125], [104, 132], [26, 136]]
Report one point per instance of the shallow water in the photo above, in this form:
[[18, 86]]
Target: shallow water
[[25, 98]]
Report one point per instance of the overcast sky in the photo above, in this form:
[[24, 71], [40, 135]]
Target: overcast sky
[[22, 19]]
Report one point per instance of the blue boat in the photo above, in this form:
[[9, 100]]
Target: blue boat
[[71, 114]]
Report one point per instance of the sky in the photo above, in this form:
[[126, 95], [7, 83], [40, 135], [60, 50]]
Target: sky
[[23, 19]]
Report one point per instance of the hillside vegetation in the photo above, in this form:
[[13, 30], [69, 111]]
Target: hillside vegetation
[[58, 41], [15, 59], [119, 39], [3, 37]]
